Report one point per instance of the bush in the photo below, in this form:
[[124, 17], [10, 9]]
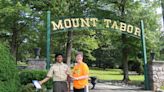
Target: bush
[[136, 65], [26, 77], [30, 88], [9, 79]]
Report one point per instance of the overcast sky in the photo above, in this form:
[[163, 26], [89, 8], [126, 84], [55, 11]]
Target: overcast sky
[[159, 11]]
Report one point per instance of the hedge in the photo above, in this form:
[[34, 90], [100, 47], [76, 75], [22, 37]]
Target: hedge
[[9, 79], [26, 77]]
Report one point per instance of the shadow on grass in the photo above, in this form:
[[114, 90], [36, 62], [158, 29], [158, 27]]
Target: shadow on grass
[[120, 82], [114, 70], [107, 74]]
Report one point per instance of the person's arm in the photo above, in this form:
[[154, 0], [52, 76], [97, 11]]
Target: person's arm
[[81, 77], [68, 72], [49, 75], [44, 80]]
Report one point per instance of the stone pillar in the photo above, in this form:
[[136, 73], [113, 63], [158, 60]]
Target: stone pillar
[[156, 75]]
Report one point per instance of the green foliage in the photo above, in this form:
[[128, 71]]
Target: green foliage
[[9, 79], [108, 53], [30, 88], [12, 15], [26, 77], [136, 66], [162, 46], [86, 43], [28, 19], [81, 41], [162, 87], [16, 21]]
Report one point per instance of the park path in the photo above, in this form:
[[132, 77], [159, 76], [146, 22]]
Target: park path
[[107, 87], [104, 87]]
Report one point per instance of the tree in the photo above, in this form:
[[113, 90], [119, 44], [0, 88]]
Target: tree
[[162, 5], [162, 33], [162, 48], [23, 23], [17, 21], [126, 11]]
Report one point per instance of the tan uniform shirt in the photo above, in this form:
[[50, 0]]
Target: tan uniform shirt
[[59, 72]]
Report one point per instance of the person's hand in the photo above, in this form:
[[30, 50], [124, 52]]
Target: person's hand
[[74, 78], [40, 82]]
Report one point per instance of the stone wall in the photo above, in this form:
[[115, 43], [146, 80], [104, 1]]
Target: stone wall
[[156, 75], [37, 64]]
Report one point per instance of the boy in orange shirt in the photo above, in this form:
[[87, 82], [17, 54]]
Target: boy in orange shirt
[[80, 74]]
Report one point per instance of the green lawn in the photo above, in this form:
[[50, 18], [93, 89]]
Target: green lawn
[[162, 87], [114, 74]]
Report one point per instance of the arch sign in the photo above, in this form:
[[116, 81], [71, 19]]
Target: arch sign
[[95, 23]]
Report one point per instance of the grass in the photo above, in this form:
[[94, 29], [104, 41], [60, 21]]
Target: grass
[[114, 75], [162, 87], [109, 74], [19, 63]]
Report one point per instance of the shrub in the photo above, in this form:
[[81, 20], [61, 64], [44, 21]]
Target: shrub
[[136, 65], [26, 77], [9, 79], [30, 88]]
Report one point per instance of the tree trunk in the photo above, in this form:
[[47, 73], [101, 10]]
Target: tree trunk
[[69, 47], [125, 47], [162, 4], [14, 44], [125, 59]]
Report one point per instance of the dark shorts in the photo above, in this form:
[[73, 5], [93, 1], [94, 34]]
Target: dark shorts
[[60, 86], [78, 90]]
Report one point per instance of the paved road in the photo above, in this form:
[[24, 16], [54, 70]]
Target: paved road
[[107, 87], [101, 87]]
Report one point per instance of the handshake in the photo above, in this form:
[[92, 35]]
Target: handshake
[[71, 78]]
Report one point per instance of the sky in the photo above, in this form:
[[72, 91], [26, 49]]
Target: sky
[[159, 11]]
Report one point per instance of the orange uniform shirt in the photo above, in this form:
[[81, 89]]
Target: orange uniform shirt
[[78, 71]]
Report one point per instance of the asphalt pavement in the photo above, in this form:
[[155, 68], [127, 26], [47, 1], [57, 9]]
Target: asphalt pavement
[[104, 87]]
